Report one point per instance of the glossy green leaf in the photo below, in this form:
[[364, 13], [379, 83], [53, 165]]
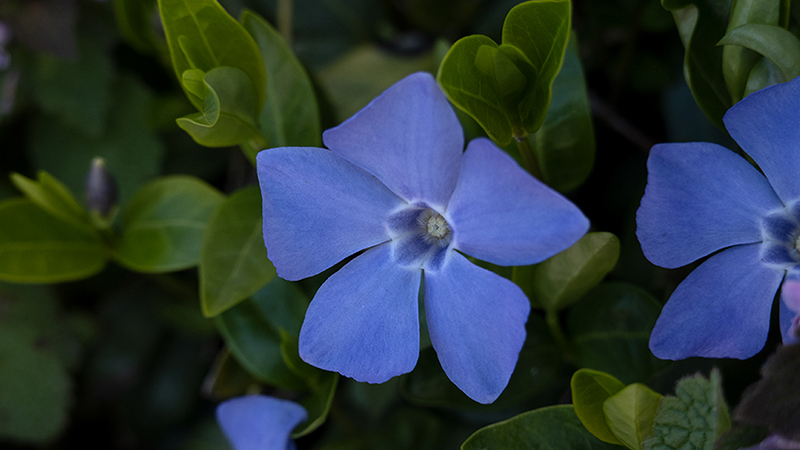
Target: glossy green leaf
[[290, 116], [78, 91], [37, 247], [564, 278], [540, 29], [538, 366], [162, 227], [52, 196], [590, 389], [765, 73], [630, 414], [252, 331], [610, 330], [132, 151], [202, 35], [773, 42], [318, 403], [694, 418], [737, 61], [550, 428], [564, 146], [701, 24], [233, 259], [229, 109]]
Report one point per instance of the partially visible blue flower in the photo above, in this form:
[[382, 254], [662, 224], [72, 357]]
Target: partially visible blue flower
[[790, 311], [259, 422], [703, 199], [775, 442], [397, 184]]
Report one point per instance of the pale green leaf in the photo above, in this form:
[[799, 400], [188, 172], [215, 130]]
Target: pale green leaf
[[630, 414], [590, 389]]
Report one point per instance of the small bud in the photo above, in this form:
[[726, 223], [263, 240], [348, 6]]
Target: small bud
[[101, 189]]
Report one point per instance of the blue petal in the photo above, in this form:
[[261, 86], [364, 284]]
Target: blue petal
[[258, 422], [476, 321], [363, 322], [700, 197], [318, 209], [501, 214], [408, 137], [766, 124], [721, 310], [789, 313]]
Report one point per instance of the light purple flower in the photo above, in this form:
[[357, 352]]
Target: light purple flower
[[702, 198], [775, 442], [396, 184], [258, 422]]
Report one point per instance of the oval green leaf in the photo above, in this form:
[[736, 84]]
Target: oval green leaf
[[162, 227], [773, 42], [630, 414], [550, 428], [233, 259], [52, 196], [590, 389], [37, 247]]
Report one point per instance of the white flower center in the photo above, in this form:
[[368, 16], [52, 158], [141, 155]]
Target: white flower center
[[435, 228]]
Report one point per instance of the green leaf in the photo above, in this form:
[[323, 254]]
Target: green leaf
[[162, 227], [590, 389], [290, 116], [694, 418], [550, 428], [131, 150], [737, 61], [252, 331], [78, 91], [630, 414], [765, 73], [52, 196], [775, 43], [700, 27], [227, 378], [566, 277], [610, 330], [540, 29], [229, 109], [539, 365], [318, 404], [233, 259], [202, 35], [135, 22], [37, 247], [564, 146]]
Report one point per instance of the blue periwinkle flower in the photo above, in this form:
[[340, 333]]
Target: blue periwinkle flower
[[259, 422], [701, 199], [396, 184]]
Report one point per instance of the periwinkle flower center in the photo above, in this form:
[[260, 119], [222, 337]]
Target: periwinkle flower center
[[420, 236], [781, 233]]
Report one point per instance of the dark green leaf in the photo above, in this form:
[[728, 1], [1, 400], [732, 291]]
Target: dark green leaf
[[590, 389], [737, 61], [162, 227], [233, 260], [79, 91], [52, 196], [630, 414], [36, 247], [227, 378], [318, 403], [610, 330], [252, 331], [564, 145], [202, 35], [564, 278], [228, 114], [131, 150], [694, 418], [290, 116], [700, 27], [550, 428], [773, 42], [765, 73], [135, 23], [741, 436]]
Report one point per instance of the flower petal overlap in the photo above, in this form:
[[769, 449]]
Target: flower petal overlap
[[396, 185], [702, 198], [259, 422]]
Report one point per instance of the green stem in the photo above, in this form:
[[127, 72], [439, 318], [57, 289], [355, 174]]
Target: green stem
[[285, 20], [528, 157], [558, 334]]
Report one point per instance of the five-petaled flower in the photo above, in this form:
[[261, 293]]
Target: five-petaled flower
[[259, 422], [397, 184], [702, 198]]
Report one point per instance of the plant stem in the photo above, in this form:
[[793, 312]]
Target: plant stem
[[285, 20], [528, 157], [553, 324]]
